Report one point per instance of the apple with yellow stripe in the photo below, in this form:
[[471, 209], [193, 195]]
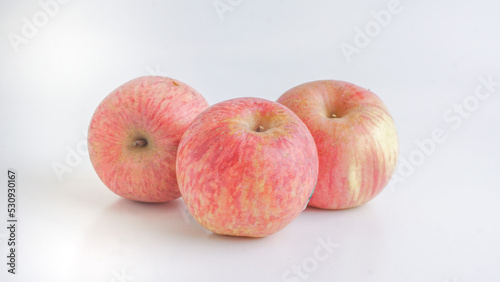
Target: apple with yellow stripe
[[356, 139], [134, 134], [246, 167]]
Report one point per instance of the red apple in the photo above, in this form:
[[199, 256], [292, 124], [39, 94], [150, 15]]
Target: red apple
[[246, 167], [356, 139], [134, 134]]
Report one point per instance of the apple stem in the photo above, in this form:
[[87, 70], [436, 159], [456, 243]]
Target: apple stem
[[260, 128], [140, 143], [334, 115]]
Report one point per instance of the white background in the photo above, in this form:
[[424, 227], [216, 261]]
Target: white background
[[440, 224]]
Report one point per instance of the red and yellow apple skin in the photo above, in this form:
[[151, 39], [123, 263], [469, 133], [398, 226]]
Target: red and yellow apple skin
[[356, 139], [134, 135], [246, 167]]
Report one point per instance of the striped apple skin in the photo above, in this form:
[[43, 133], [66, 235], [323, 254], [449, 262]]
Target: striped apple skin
[[356, 140], [238, 181], [157, 109]]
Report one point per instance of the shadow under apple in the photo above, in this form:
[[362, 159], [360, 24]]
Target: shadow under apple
[[127, 235], [361, 239]]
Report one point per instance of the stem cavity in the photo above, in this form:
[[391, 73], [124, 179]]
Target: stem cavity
[[140, 143]]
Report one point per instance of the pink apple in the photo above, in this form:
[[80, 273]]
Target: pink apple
[[134, 134], [356, 140], [246, 167]]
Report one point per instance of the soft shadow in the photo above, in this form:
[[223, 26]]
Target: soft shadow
[[229, 238], [128, 229], [359, 232], [155, 219]]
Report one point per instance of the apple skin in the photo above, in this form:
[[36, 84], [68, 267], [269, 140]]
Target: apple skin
[[357, 149], [151, 108], [238, 181]]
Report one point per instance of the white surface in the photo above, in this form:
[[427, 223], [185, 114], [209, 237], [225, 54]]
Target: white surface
[[440, 224]]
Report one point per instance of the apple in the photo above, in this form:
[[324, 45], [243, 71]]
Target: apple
[[356, 139], [246, 167], [134, 135]]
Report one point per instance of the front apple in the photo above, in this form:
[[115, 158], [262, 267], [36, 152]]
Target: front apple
[[356, 139], [134, 135], [246, 167]]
